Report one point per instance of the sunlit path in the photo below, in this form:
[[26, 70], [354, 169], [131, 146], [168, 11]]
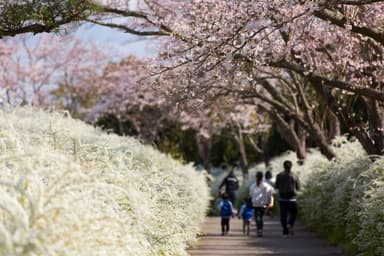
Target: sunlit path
[[303, 243]]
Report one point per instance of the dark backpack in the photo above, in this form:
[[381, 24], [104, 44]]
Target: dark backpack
[[225, 209]]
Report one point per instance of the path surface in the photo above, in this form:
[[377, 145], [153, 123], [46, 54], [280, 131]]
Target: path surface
[[304, 243]]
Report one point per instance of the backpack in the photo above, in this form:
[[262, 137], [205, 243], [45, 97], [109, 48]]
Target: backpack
[[247, 213], [225, 209]]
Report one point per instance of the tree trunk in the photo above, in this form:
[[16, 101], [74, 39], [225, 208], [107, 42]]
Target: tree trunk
[[239, 138], [354, 127], [376, 122], [333, 125], [204, 149], [288, 133], [262, 151]]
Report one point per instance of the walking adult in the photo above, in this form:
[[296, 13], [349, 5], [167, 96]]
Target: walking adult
[[262, 198], [287, 185], [231, 184]]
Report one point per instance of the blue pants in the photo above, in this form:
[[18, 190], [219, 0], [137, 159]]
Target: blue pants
[[287, 208]]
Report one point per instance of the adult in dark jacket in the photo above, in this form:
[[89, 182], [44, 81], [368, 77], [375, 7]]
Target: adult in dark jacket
[[231, 184], [287, 185]]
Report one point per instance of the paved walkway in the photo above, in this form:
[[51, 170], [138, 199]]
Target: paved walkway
[[304, 243]]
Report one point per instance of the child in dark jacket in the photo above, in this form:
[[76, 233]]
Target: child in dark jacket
[[226, 212], [246, 213]]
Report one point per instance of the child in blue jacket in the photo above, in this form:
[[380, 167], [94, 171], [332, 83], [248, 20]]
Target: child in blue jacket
[[226, 212], [246, 213]]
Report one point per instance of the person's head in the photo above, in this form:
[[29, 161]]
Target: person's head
[[259, 177], [268, 175], [224, 196], [231, 172], [287, 165]]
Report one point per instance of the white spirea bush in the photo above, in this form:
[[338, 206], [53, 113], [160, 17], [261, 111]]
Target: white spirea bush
[[67, 188], [345, 199]]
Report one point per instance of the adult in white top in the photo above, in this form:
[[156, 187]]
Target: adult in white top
[[262, 197]]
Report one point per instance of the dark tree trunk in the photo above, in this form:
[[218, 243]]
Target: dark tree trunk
[[288, 133], [204, 149], [333, 125], [239, 138]]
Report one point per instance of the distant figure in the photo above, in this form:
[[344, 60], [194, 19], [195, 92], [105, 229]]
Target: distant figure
[[287, 184], [261, 193], [231, 184], [268, 179], [226, 212], [246, 213]]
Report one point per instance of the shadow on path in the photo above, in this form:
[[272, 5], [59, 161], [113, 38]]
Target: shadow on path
[[272, 243]]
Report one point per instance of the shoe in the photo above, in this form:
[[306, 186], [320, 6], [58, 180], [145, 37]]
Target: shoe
[[285, 236], [222, 234], [291, 231], [259, 233]]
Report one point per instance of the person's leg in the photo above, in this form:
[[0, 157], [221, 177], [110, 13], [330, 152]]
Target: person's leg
[[227, 226], [257, 217], [259, 212], [222, 226], [283, 216], [262, 211], [248, 224], [292, 216], [244, 226]]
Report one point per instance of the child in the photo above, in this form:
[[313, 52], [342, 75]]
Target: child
[[226, 212], [246, 213]]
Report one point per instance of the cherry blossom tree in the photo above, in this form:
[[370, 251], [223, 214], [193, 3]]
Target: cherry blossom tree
[[32, 68], [335, 47]]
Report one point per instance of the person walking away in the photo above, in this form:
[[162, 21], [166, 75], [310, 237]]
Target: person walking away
[[246, 213], [261, 193], [268, 178], [226, 212], [231, 184], [287, 185]]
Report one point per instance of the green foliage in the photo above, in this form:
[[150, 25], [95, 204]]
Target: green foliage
[[40, 16], [181, 144]]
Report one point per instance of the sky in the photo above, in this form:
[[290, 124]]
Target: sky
[[124, 43]]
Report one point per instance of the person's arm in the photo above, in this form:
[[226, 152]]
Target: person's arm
[[220, 204], [250, 190], [222, 183], [277, 182], [237, 184], [241, 211], [270, 197]]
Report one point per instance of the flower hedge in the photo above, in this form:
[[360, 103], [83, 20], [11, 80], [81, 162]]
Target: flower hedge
[[67, 188]]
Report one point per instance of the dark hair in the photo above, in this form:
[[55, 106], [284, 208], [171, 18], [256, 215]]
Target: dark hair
[[224, 196], [287, 165], [268, 175], [259, 177]]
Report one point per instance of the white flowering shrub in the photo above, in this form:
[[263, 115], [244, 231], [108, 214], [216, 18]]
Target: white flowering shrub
[[67, 188], [345, 199]]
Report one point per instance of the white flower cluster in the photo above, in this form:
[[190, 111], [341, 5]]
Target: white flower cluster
[[345, 199], [67, 188]]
